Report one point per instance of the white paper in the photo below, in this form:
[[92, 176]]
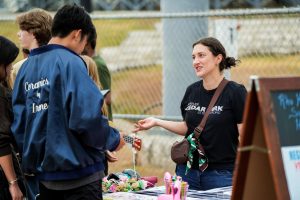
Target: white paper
[[291, 163]]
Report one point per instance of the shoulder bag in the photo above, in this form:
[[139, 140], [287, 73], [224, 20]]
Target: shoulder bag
[[180, 150]]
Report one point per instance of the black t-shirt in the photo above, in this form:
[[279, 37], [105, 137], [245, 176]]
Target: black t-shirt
[[220, 135]]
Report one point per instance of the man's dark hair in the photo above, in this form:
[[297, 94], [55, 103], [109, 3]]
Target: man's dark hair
[[69, 18], [92, 39]]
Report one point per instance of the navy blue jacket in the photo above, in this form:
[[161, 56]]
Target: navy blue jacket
[[58, 124]]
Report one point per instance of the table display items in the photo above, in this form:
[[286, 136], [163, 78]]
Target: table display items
[[126, 181], [175, 188]]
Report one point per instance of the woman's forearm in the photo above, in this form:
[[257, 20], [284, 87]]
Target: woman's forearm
[[179, 128], [6, 163]]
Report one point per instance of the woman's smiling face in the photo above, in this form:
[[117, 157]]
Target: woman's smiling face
[[204, 62]]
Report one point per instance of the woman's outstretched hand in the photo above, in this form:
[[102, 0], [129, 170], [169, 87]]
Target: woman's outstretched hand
[[145, 124]]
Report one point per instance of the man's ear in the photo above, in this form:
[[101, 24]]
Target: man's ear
[[77, 34]]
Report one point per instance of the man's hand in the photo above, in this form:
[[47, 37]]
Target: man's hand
[[122, 142], [111, 156]]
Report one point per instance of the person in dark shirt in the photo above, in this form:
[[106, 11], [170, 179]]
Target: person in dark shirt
[[8, 175], [221, 132], [103, 71]]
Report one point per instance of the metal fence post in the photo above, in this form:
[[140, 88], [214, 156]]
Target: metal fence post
[[178, 37]]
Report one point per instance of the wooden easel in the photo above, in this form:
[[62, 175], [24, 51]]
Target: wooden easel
[[260, 172]]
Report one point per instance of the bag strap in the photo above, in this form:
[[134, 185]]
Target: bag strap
[[200, 127]]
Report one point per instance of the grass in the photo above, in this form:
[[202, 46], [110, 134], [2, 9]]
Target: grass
[[113, 31], [136, 89], [267, 66]]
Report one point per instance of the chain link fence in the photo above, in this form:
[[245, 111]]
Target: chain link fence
[[267, 41]]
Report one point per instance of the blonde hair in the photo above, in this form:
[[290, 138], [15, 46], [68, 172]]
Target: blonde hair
[[92, 70], [93, 73]]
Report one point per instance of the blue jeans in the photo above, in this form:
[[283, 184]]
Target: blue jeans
[[206, 180]]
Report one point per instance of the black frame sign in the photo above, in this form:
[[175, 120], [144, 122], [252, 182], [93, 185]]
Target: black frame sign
[[268, 160]]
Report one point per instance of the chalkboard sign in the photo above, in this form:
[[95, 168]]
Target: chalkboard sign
[[268, 160], [287, 111]]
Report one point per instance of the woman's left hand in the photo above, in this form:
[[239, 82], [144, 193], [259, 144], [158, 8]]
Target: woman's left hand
[[15, 191]]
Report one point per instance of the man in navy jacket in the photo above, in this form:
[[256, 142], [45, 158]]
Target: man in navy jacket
[[58, 123]]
